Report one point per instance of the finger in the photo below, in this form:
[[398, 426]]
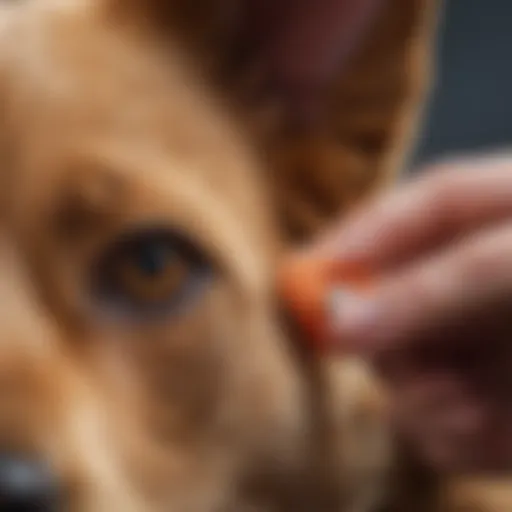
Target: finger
[[440, 292], [426, 213], [435, 401], [488, 449], [441, 416]]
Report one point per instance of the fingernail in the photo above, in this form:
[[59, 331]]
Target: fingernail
[[354, 318]]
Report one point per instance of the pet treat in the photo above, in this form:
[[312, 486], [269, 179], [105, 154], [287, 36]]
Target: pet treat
[[313, 287]]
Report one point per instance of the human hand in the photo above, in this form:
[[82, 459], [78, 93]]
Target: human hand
[[439, 323]]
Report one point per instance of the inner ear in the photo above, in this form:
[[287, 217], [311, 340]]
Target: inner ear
[[334, 101], [302, 45]]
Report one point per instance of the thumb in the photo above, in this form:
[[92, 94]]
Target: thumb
[[445, 289]]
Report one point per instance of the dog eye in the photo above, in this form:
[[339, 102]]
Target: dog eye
[[150, 270]]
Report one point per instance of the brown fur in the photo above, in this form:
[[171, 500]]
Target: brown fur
[[112, 116]]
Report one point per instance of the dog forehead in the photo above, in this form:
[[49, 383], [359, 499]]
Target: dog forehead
[[71, 69], [73, 81]]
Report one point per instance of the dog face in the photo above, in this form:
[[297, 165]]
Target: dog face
[[143, 364]]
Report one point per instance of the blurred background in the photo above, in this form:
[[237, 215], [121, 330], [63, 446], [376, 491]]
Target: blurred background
[[471, 106]]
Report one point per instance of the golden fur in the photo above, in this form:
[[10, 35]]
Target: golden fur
[[120, 114]]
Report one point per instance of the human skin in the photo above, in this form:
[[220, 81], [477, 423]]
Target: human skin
[[437, 325], [438, 322]]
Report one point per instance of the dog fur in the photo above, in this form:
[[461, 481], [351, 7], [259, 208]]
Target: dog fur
[[120, 114]]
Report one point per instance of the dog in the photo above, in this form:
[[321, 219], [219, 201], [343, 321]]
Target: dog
[[148, 195]]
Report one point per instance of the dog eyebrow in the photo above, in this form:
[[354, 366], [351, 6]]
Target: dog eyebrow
[[90, 195]]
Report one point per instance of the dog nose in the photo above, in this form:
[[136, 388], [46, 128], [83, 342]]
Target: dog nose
[[26, 485]]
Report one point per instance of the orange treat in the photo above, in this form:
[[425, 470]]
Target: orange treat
[[307, 284]]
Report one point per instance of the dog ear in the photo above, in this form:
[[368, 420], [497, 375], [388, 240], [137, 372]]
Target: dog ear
[[360, 138], [358, 111], [332, 88]]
